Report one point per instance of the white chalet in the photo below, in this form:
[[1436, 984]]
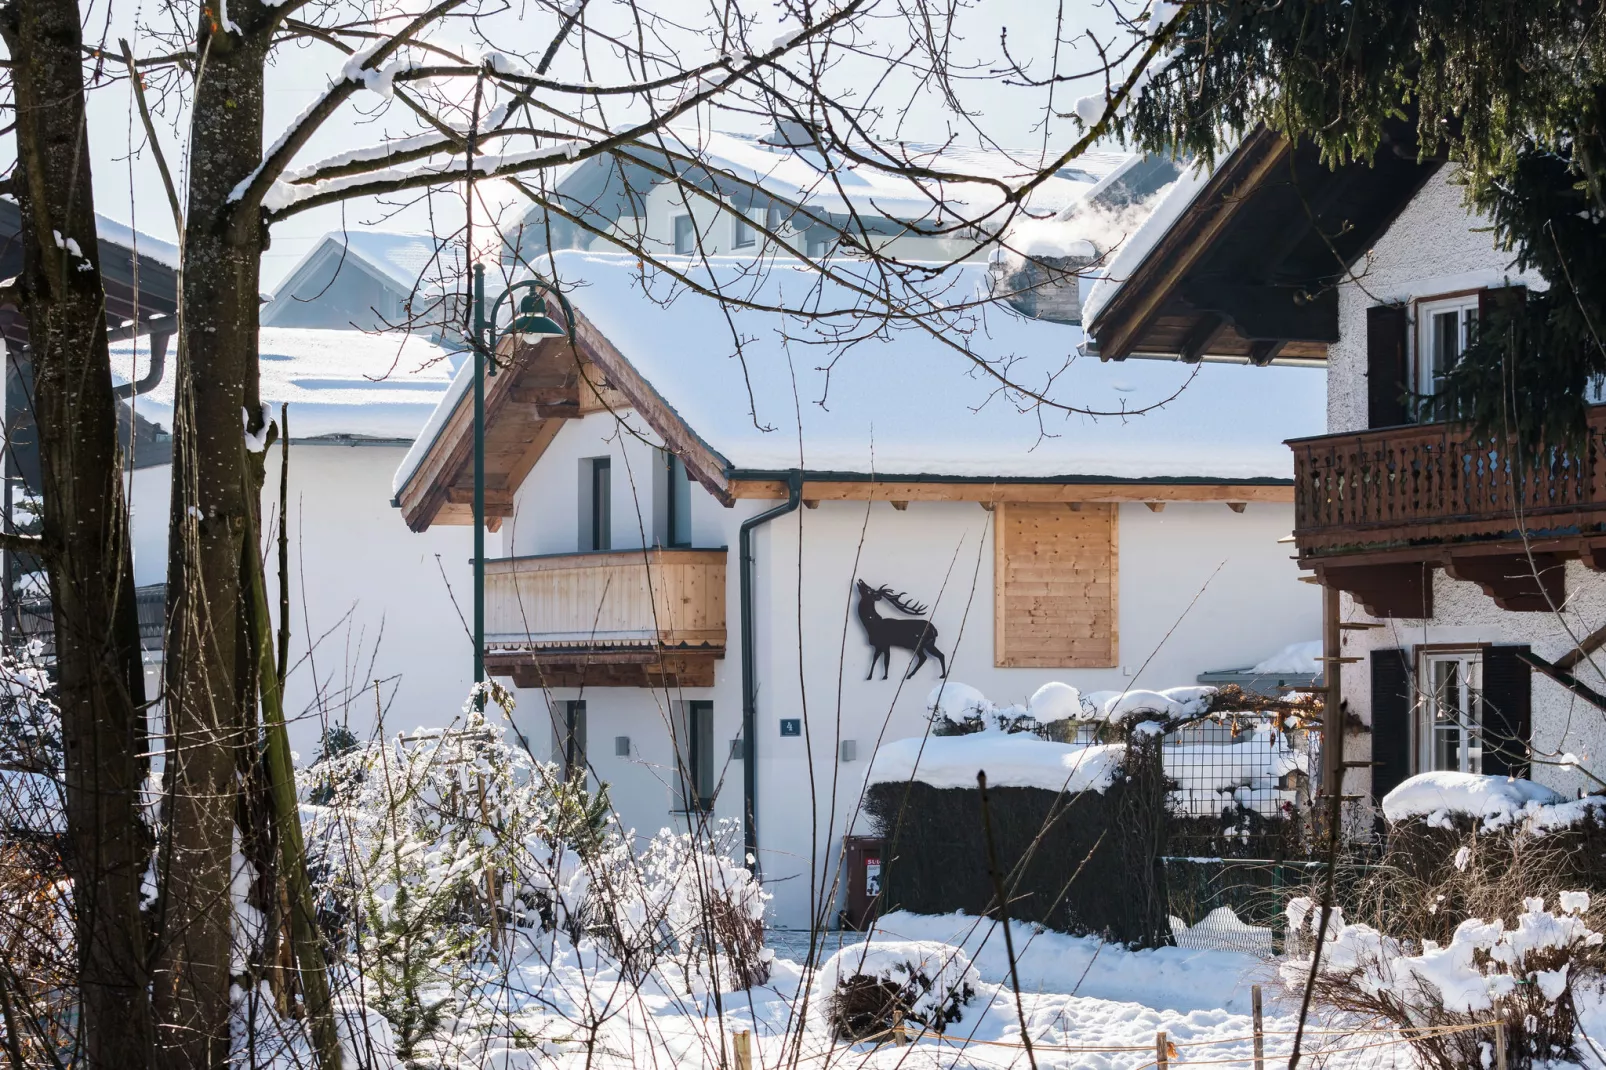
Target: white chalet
[[368, 601], [1465, 598], [712, 518], [372, 280]]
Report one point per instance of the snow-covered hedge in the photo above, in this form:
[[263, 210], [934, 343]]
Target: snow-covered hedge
[[1492, 802], [866, 985], [1522, 975]]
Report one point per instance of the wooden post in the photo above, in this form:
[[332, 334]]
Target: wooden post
[[741, 1042], [898, 1037], [1260, 1029], [1332, 701], [1500, 1045], [1160, 1060]]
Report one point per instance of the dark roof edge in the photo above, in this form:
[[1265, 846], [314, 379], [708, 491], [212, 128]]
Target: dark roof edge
[[811, 475]]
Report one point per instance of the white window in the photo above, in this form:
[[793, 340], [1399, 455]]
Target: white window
[[685, 235], [743, 236], [1450, 727], [1444, 327]]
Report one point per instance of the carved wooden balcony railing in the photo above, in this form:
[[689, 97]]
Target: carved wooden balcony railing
[[1432, 495], [628, 618]]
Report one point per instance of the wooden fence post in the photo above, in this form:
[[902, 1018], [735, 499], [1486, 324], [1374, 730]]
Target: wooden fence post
[[1260, 1029], [741, 1041], [1160, 1060], [1500, 1045]]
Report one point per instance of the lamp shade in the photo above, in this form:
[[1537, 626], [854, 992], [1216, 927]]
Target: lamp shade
[[532, 323]]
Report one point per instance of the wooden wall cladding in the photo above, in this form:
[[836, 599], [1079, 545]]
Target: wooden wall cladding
[[1054, 585]]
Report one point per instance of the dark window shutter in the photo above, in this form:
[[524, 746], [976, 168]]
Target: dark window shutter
[[1506, 299], [1391, 720], [1507, 711], [1386, 371]]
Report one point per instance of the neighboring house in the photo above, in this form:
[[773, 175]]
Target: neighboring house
[[1450, 564], [369, 601], [139, 274], [632, 480], [779, 185], [373, 280]]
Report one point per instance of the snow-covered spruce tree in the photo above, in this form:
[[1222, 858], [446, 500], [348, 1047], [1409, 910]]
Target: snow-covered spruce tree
[[1513, 93]]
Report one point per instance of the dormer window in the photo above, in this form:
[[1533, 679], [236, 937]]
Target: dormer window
[[685, 235]]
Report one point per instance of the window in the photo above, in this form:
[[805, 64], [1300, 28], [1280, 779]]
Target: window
[[676, 487], [772, 219], [569, 738], [695, 775], [685, 235], [1450, 727], [1444, 327], [743, 236], [596, 512], [817, 243]]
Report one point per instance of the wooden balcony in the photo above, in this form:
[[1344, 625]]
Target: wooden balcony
[[1376, 511], [621, 618]]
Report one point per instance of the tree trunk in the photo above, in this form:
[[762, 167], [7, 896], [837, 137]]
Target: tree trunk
[[98, 664], [210, 656]]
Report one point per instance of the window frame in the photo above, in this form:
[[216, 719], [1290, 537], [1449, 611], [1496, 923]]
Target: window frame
[[695, 782], [600, 472], [742, 228], [1424, 733], [1423, 311], [690, 244], [569, 738]]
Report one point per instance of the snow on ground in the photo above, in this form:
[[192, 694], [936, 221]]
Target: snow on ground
[[1087, 1005]]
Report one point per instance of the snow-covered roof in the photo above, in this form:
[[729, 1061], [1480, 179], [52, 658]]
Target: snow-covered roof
[[337, 383], [164, 252], [801, 176], [402, 258], [904, 403], [1135, 249]]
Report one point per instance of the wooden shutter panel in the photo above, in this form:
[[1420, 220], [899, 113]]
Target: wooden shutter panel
[[1507, 711], [1508, 299], [1387, 372], [1054, 585], [1392, 702]]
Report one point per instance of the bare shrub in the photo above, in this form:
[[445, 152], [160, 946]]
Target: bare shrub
[[873, 986]]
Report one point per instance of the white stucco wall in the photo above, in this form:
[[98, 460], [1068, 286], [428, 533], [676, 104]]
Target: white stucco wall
[[368, 601], [1200, 587], [1435, 247]]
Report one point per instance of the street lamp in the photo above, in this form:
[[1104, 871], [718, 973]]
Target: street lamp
[[531, 323]]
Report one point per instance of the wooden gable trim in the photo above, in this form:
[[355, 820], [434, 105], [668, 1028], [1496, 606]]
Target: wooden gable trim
[[1146, 291], [538, 388], [1021, 491]]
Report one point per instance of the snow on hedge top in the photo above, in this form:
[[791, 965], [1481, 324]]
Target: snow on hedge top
[[336, 382], [1010, 761], [901, 402], [1496, 800]]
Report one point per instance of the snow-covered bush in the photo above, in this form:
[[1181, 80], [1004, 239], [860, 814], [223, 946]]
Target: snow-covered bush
[[870, 986], [443, 857], [1436, 994]]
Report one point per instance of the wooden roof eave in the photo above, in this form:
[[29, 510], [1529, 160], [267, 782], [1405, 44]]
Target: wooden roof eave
[[1123, 322]]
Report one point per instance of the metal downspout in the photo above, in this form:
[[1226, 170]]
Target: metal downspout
[[794, 497]]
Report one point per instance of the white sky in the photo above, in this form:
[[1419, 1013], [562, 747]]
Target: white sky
[[127, 185]]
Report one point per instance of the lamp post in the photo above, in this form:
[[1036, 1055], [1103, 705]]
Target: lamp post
[[532, 324]]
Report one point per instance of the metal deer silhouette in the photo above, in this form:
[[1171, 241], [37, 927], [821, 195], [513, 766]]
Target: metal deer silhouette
[[916, 636]]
